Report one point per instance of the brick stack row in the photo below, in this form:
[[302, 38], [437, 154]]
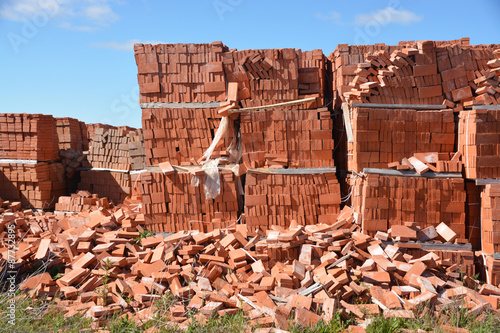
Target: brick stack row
[[177, 135], [172, 203], [479, 143], [109, 150], [136, 150], [280, 138], [277, 199], [490, 218], [69, 133], [36, 185], [28, 136], [382, 136], [176, 73], [384, 201]]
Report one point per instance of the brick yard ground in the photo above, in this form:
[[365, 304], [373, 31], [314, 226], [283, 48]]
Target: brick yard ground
[[269, 190]]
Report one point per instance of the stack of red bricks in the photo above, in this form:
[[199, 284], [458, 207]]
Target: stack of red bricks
[[421, 73], [136, 150], [385, 201], [490, 218], [28, 136], [277, 199], [172, 203], [178, 135], [312, 75], [113, 185], [81, 201], [479, 143], [34, 185], [109, 150], [69, 133], [382, 136], [280, 138], [181, 72]]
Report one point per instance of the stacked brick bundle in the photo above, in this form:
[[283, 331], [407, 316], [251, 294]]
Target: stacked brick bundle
[[479, 143], [69, 133], [28, 136], [109, 150], [382, 136], [264, 76], [312, 72], [136, 150], [177, 135], [277, 199], [81, 201], [110, 184], [181, 72], [34, 185], [172, 203], [422, 73], [384, 201], [287, 138], [490, 218]]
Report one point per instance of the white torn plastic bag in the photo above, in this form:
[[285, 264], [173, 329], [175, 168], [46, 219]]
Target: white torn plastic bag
[[211, 185], [221, 131]]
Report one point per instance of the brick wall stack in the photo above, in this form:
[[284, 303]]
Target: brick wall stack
[[312, 75], [69, 133], [479, 143], [177, 135], [277, 199], [171, 203], [109, 150], [181, 72], [382, 136], [287, 138], [136, 150], [36, 185], [28, 136], [109, 162], [384, 201], [490, 218]]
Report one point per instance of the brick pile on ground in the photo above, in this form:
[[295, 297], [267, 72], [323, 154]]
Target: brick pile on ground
[[306, 273], [81, 201], [281, 138], [383, 136], [479, 143]]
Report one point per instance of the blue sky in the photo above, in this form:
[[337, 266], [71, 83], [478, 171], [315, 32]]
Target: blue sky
[[75, 58]]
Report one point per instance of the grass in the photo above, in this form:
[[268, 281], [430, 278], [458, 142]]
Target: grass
[[40, 315]]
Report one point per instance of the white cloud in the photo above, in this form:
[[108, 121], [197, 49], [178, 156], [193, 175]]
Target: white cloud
[[121, 46], [78, 15], [100, 14], [333, 16], [386, 16]]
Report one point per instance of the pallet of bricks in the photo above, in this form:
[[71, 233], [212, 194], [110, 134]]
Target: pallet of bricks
[[177, 199], [29, 169], [106, 169], [197, 75]]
